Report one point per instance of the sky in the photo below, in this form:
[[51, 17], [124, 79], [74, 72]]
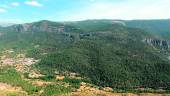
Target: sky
[[22, 11]]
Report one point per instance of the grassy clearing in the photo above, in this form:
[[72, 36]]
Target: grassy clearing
[[11, 93], [12, 77]]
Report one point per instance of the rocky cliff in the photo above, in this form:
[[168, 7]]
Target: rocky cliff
[[42, 26], [158, 42]]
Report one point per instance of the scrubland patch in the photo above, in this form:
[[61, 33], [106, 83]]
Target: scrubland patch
[[9, 90]]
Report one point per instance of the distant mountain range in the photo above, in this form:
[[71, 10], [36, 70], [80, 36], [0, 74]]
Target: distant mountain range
[[6, 24], [160, 26]]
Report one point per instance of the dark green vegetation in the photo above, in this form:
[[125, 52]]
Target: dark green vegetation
[[107, 53]]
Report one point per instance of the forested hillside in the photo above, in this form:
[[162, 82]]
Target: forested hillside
[[105, 53]]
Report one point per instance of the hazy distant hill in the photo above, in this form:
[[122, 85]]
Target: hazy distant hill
[[6, 24], [160, 27]]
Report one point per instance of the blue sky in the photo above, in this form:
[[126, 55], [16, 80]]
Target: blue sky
[[22, 11]]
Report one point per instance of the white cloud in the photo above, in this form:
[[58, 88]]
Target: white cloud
[[144, 9], [15, 4], [34, 3], [2, 10]]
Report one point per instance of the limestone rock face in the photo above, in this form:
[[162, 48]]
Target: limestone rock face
[[158, 42], [42, 26]]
